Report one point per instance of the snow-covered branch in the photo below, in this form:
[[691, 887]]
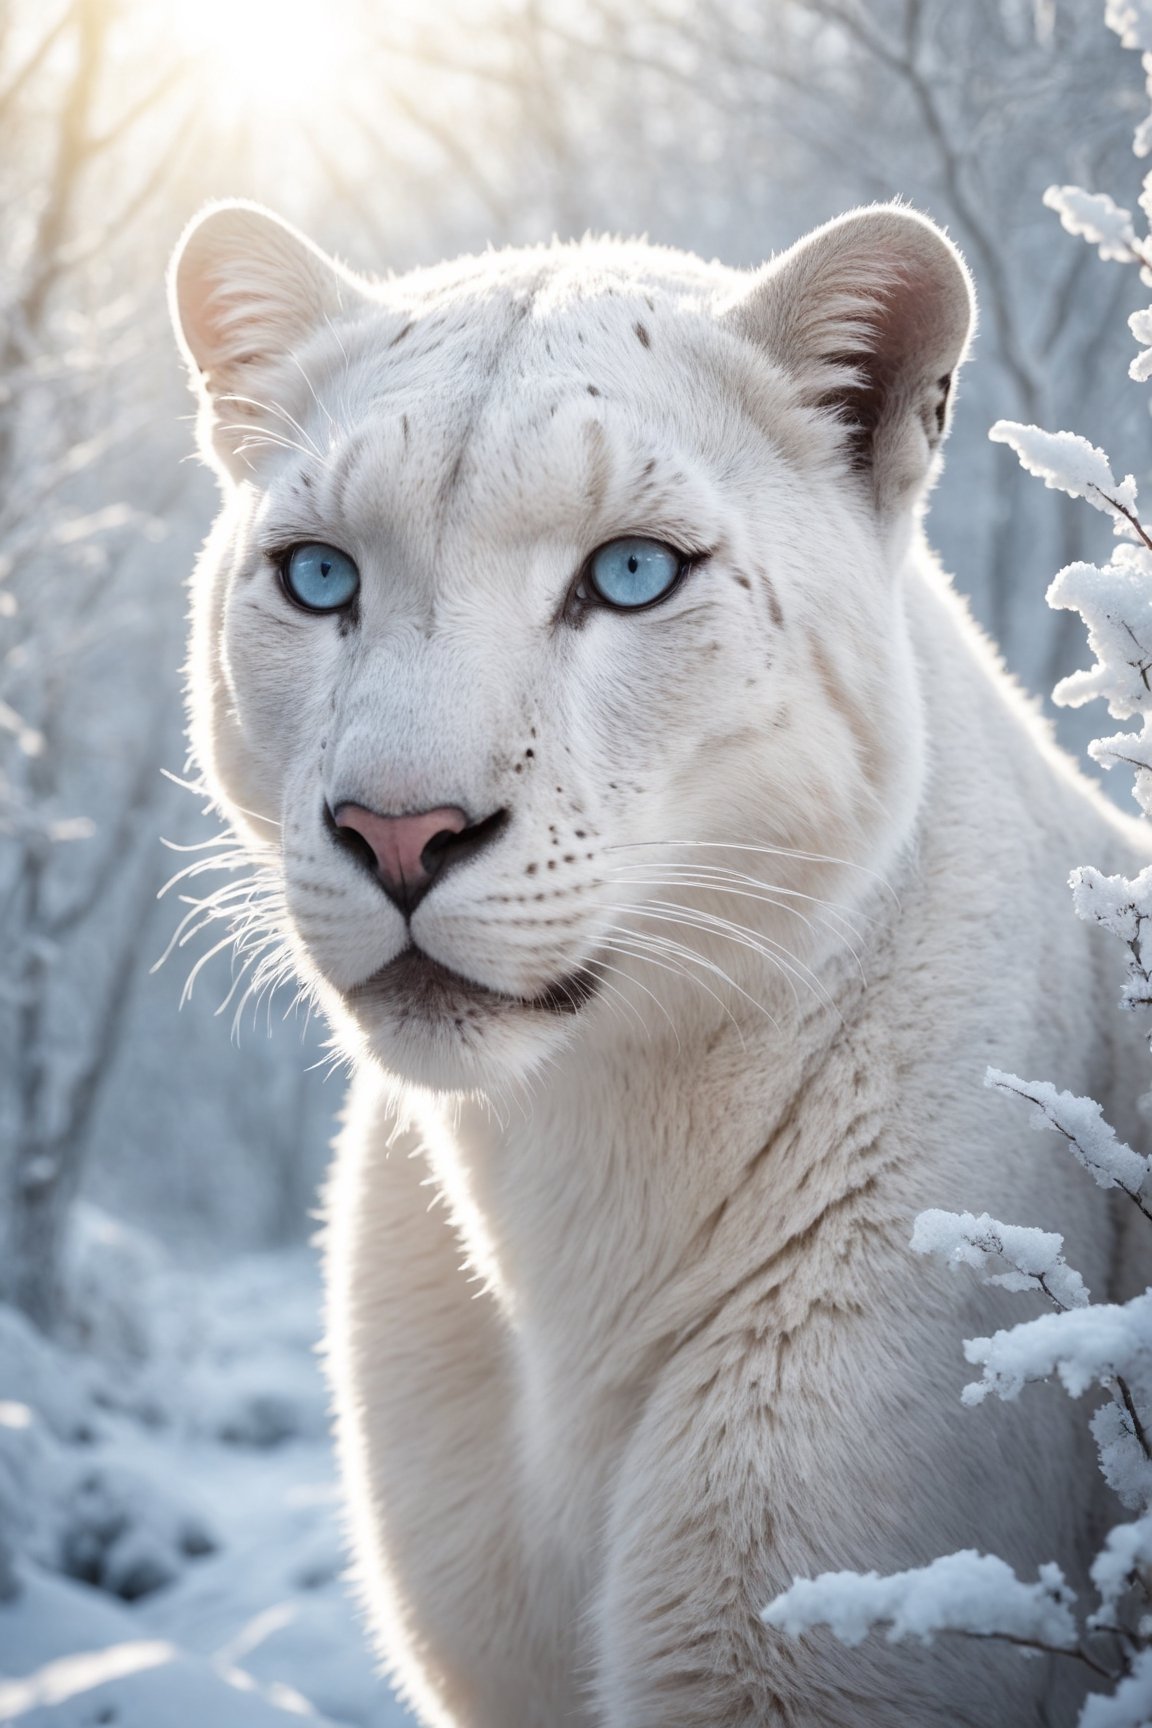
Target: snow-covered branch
[[1125, 1558], [976, 1594], [1034, 1258], [1083, 1347], [1068, 463], [1122, 905], [1109, 1162], [1095, 218]]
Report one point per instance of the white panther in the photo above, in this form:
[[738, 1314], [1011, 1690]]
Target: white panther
[[670, 855]]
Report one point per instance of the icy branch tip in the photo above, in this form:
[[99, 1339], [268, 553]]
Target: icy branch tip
[[1067, 463], [965, 1592], [1095, 218]]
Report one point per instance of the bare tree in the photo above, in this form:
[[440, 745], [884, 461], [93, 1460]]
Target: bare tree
[[66, 420]]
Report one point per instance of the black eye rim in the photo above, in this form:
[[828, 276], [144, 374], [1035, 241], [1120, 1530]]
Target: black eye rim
[[585, 595], [282, 558]]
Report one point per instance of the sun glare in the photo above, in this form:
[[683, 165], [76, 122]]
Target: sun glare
[[266, 53]]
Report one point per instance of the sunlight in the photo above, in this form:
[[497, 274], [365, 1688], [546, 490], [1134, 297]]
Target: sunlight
[[265, 53]]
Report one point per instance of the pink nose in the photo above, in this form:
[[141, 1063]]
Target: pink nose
[[405, 847]]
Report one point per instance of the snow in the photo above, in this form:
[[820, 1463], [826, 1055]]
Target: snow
[[1123, 1462], [1091, 1141], [107, 1672], [1142, 137], [171, 1497], [1125, 1548], [1122, 905], [1095, 217], [1067, 463], [1130, 1706], [1131, 750], [1084, 1346], [1115, 602], [1035, 1257], [1140, 324], [965, 1592], [1131, 20]]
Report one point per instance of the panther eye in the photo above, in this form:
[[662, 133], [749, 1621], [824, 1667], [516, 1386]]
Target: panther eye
[[319, 578], [631, 573]]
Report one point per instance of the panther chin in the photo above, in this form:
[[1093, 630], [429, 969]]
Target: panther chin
[[436, 1028]]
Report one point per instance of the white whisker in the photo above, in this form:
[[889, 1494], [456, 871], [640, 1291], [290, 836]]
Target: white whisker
[[766, 851], [668, 945], [312, 391], [786, 963], [637, 984], [277, 408], [748, 894]]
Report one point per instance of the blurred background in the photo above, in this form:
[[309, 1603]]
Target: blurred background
[[149, 1138]]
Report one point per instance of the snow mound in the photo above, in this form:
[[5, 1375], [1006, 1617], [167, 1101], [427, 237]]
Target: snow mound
[[169, 1514]]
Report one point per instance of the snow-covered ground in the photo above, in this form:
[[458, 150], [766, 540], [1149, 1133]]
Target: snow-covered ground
[[169, 1492]]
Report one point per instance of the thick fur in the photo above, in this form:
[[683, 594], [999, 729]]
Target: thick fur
[[624, 1331]]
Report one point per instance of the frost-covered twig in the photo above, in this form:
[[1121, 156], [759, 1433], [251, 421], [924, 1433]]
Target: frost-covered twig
[[1109, 1162], [1037, 1263], [1082, 1346], [1106, 1344], [1036, 1257], [1122, 905], [1097, 219], [1116, 605], [1124, 1558], [1068, 463], [977, 1595]]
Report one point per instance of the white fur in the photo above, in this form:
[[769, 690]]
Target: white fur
[[624, 1330]]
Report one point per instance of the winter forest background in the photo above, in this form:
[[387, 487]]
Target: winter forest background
[[158, 1175]]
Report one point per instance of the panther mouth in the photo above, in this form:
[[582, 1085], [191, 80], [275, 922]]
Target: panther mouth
[[415, 985]]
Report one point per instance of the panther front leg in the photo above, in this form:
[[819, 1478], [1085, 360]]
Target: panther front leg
[[420, 1382]]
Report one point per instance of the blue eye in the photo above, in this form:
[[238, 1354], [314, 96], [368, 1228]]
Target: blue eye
[[635, 572], [320, 578]]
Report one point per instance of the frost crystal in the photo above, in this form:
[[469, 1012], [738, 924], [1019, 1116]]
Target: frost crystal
[[1092, 1142], [1096, 219], [1085, 1347], [964, 1592], [1035, 1257]]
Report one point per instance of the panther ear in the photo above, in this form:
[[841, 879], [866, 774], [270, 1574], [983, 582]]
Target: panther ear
[[870, 315], [245, 291]]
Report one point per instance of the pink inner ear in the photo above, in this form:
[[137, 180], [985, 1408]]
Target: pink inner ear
[[913, 323], [870, 316]]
